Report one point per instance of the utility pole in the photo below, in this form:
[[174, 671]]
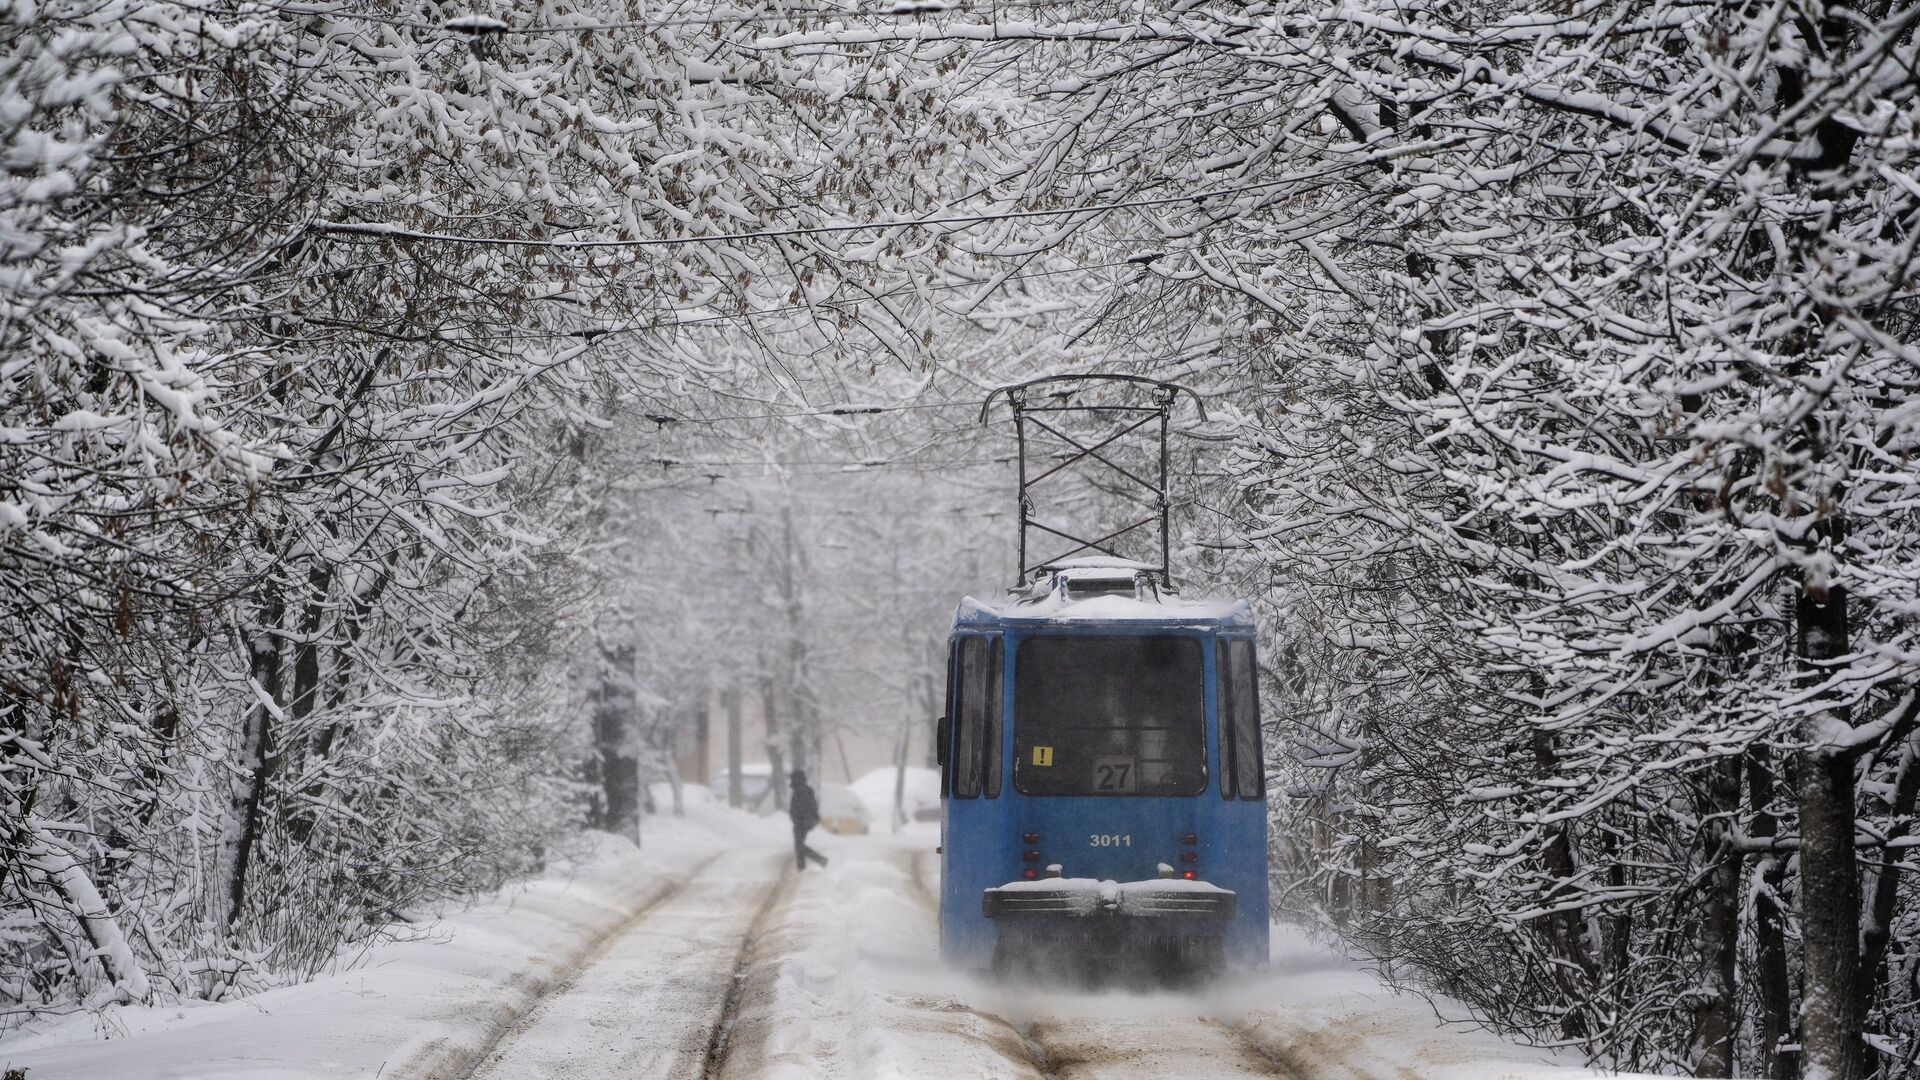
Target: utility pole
[[906, 713], [703, 739], [803, 720], [734, 796], [900, 765]]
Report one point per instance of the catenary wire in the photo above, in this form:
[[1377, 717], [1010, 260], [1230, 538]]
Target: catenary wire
[[373, 230], [905, 9], [595, 333]]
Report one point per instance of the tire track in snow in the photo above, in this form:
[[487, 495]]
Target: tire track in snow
[[650, 1000]]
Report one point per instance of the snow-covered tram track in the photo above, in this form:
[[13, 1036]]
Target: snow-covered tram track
[[1117, 1037], [656, 995], [1143, 1046], [720, 1043]]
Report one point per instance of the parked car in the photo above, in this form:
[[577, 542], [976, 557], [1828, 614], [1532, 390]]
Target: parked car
[[841, 811], [922, 793], [756, 788]]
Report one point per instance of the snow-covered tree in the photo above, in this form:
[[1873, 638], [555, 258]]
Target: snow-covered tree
[[1580, 355]]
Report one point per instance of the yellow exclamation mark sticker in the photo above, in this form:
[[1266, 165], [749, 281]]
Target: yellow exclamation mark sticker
[[1043, 755]]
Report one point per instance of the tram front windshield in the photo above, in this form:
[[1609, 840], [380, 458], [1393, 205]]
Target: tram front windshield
[[1122, 715]]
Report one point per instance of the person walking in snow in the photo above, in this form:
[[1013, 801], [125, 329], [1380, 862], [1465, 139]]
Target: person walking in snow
[[804, 809]]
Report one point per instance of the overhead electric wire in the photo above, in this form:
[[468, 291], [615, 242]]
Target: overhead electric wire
[[783, 511], [835, 410], [908, 8], [595, 333], [476, 28], [865, 410], [849, 465], [379, 230]]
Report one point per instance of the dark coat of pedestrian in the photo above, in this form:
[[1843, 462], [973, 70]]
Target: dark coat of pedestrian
[[804, 808]]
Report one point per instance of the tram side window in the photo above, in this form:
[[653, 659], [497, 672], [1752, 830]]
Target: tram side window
[[976, 736], [943, 734], [1240, 721]]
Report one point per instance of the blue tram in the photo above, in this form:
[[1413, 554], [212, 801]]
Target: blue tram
[[1104, 807]]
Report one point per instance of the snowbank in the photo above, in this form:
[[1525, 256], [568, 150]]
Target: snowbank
[[1323, 1017], [421, 1008], [876, 790]]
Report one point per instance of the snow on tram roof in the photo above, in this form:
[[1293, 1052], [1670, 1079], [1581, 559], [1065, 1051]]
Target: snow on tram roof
[[1097, 563], [1100, 589], [1054, 607]]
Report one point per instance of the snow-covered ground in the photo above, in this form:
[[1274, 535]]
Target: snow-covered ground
[[845, 981], [706, 955], [421, 1008]]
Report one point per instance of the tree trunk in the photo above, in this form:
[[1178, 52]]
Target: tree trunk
[[1715, 1021], [1832, 1015], [306, 649], [1884, 896], [1619, 924], [44, 855], [1775, 987], [776, 763], [305, 698], [1564, 928], [613, 739], [679, 786], [902, 747], [259, 754], [703, 739]]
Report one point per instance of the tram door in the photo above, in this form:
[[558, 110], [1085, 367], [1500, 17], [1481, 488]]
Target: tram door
[[1242, 791], [974, 831]]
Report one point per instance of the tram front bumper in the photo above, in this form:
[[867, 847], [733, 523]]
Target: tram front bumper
[[1187, 902]]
